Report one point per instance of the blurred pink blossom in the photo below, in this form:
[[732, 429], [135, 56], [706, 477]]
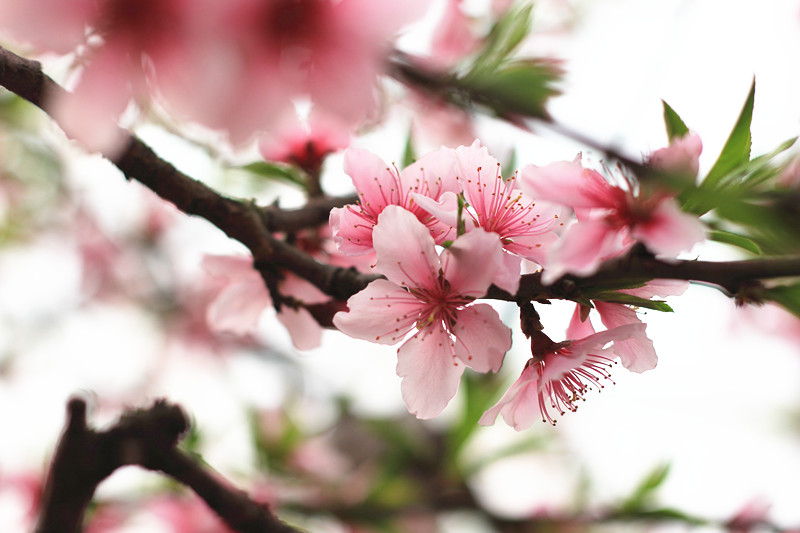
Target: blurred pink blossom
[[238, 306], [681, 157]]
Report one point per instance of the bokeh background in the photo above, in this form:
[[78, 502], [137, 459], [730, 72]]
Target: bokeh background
[[102, 293]]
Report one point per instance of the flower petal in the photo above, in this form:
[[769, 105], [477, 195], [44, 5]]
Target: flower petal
[[430, 372], [636, 352], [306, 332], [351, 232], [520, 403], [470, 264], [238, 307], [382, 313], [405, 249], [482, 339], [669, 231]]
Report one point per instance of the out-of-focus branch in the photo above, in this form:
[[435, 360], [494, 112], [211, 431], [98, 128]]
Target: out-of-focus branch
[[253, 226], [147, 438]]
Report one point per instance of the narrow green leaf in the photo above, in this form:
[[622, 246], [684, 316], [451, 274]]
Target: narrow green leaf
[[734, 239], [461, 228], [504, 37], [409, 156], [736, 151], [629, 299], [643, 493], [676, 128], [276, 171]]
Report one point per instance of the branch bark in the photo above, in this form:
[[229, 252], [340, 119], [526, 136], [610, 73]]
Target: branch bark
[[147, 438]]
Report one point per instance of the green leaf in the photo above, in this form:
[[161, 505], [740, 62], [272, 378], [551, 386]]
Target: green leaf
[[736, 151], [629, 299], [275, 171], [787, 296], [409, 156], [644, 492], [518, 88], [504, 37], [676, 128], [734, 239]]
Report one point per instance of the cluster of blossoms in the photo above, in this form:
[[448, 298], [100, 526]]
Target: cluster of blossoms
[[238, 65], [449, 226]]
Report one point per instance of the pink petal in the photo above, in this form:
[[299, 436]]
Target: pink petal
[[302, 290], [477, 170], [578, 329], [430, 372], [561, 362], [103, 92], [382, 313], [233, 267], [682, 157], [508, 275], [637, 352], [238, 307], [669, 231], [436, 169], [471, 262], [659, 287], [584, 246], [351, 233], [445, 209], [482, 339], [520, 403], [306, 332], [405, 249], [373, 179], [452, 37], [566, 183]]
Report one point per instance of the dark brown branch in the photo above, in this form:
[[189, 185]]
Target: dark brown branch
[[147, 438], [253, 226]]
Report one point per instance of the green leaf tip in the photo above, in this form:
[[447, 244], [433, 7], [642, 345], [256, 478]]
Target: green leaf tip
[[736, 151], [676, 127]]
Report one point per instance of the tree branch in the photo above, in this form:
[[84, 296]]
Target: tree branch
[[253, 226], [147, 438]]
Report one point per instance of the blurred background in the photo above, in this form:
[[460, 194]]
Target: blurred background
[[103, 293]]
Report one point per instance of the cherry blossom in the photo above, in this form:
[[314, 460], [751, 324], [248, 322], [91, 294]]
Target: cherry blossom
[[239, 305], [304, 143], [558, 375], [432, 294], [681, 157], [610, 218], [380, 185], [265, 54], [526, 228]]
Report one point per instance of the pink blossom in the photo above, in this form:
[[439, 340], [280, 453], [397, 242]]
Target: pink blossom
[[559, 375], [453, 38], [264, 54], [610, 218], [380, 185], [526, 228], [239, 305], [432, 294], [304, 143], [129, 41], [681, 157]]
